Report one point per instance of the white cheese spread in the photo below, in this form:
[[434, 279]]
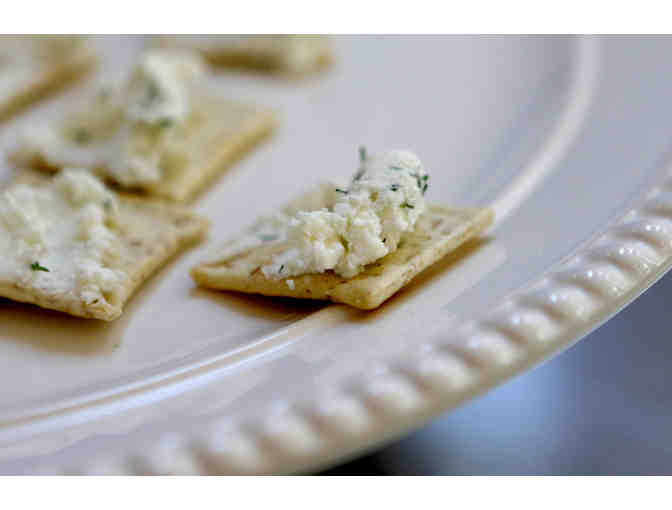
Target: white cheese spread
[[60, 237], [158, 91], [127, 131], [383, 201]]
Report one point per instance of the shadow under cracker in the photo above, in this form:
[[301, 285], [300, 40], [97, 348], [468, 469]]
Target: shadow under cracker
[[274, 307], [259, 306], [57, 332], [436, 270]]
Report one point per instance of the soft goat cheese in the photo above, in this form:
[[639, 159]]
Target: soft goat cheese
[[60, 237], [383, 201], [158, 91], [126, 130]]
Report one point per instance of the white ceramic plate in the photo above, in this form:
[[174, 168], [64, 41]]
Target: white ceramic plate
[[567, 138]]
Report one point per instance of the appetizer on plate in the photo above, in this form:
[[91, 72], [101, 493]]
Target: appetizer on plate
[[357, 244], [163, 132], [72, 245], [294, 55], [33, 66]]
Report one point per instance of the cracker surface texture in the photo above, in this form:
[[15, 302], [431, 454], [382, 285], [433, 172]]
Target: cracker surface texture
[[294, 56], [439, 231], [146, 236], [26, 78], [172, 152]]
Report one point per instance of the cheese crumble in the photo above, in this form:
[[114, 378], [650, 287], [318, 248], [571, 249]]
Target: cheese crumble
[[383, 201], [130, 130], [60, 237]]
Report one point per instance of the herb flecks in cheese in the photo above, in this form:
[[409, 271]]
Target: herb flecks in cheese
[[383, 201], [60, 237], [35, 266], [158, 91], [130, 129], [157, 104]]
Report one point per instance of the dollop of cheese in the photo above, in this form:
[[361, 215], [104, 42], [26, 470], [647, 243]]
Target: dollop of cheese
[[383, 201], [127, 130], [60, 237], [158, 91], [79, 189]]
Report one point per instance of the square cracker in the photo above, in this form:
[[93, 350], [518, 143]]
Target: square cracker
[[439, 231], [151, 234], [225, 130], [47, 79], [264, 53]]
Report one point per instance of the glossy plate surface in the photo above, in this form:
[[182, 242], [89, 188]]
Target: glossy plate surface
[[567, 138]]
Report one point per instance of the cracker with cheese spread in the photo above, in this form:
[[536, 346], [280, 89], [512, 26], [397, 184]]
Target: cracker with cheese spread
[[162, 133], [356, 245], [33, 66], [292, 55], [72, 245]]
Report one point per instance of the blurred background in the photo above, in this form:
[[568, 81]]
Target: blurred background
[[603, 407]]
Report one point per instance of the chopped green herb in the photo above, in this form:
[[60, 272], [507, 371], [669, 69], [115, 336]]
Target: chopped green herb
[[395, 167], [165, 123], [82, 136], [281, 268], [394, 187], [358, 175], [418, 180], [423, 184], [407, 205], [362, 153], [384, 239], [151, 94], [339, 190], [267, 237], [35, 266]]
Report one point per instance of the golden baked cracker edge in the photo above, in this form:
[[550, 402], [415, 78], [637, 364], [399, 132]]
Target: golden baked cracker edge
[[244, 59], [377, 283], [179, 228], [47, 82], [185, 187], [228, 153]]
